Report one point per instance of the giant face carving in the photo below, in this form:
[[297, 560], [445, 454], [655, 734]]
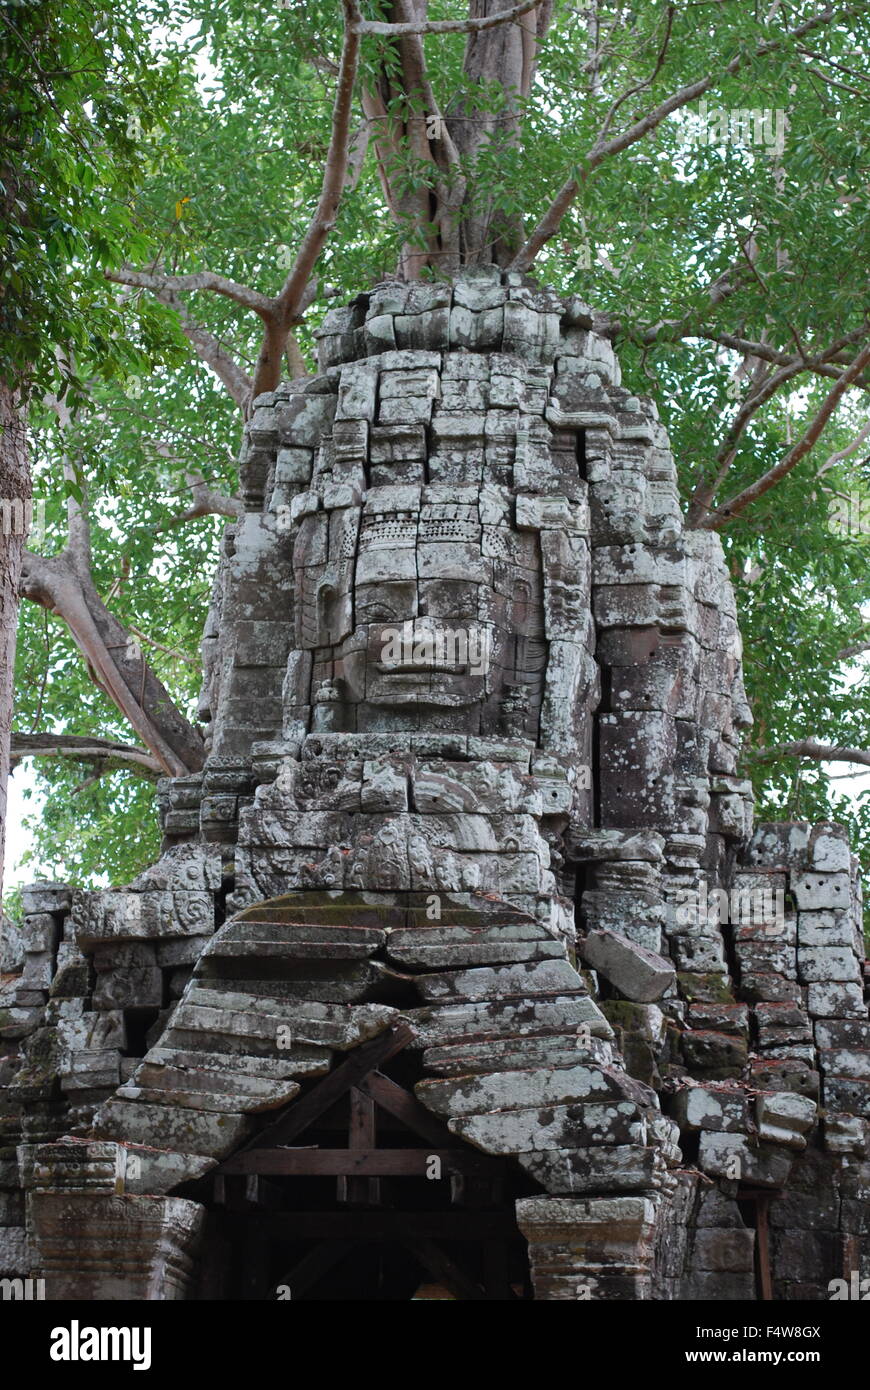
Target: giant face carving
[[419, 611]]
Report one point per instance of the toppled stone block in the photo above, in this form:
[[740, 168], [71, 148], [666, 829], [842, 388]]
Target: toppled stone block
[[557, 1127], [171, 1127], [639, 974], [843, 1032], [512, 1018], [834, 927], [135, 987], [785, 1074], [714, 1055], [826, 965], [621, 1168], [88, 1070], [517, 1090], [45, 897], [845, 1061], [847, 1093], [589, 845], [120, 915], [494, 1054], [40, 932], [829, 848]]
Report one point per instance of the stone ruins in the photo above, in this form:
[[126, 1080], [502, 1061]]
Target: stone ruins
[[468, 901]]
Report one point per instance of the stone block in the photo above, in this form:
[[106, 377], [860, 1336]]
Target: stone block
[[637, 973], [784, 1118]]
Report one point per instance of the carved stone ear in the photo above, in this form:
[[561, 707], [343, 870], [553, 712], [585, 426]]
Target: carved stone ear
[[334, 613]]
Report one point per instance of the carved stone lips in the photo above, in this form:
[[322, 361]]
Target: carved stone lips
[[424, 664]]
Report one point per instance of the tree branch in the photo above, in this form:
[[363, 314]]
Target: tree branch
[[104, 751], [742, 500], [281, 313], [767, 353], [819, 752], [703, 495], [159, 647], [211, 351], [78, 522], [202, 280], [603, 149], [847, 449], [673, 330], [207, 501], [398, 112], [647, 81], [845, 653], [290, 302], [446, 26], [114, 659]]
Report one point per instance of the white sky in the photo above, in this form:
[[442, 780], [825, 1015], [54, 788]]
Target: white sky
[[18, 840]]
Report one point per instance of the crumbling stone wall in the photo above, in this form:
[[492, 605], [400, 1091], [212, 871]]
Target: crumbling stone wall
[[656, 1010]]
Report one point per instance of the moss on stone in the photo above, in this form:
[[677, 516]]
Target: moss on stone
[[622, 1013], [707, 989]]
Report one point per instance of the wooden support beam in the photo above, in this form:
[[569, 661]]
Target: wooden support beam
[[363, 1163], [445, 1270], [301, 1113], [361, 1136], [405, 1107], [312, 1267], [762, 1239]]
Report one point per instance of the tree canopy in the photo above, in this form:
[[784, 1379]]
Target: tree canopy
[[191, 187]]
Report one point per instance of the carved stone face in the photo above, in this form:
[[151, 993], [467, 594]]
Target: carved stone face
[[408, 604]]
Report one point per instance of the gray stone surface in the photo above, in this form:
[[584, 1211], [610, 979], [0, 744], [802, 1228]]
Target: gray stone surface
[[473, 702], [636, 972]]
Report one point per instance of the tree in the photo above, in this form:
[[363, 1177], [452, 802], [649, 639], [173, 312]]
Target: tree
[[697, 172], [76, 82]]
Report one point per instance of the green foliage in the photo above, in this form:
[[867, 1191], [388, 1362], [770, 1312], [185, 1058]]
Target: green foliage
[[192, 137], [78, 83], [98, 832]]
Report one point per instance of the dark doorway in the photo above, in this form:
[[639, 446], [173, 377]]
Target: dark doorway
[[355, 1191]]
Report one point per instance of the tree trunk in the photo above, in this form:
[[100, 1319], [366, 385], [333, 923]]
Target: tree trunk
[[446, 224], [503, 57], [15, 495], [115, 661]]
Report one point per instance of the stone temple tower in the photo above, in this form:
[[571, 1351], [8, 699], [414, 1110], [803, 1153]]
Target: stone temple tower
[[463, 972]]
